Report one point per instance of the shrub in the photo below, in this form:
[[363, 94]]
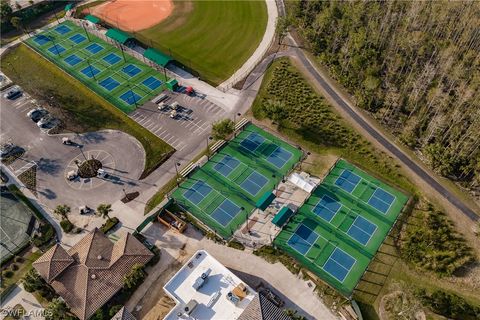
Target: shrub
[[113, 310], [109, 224], [433, 244], [7, 273], [272, 255], [448, 304], [66, 225], [18, 259], [46, 234], [236, 245], [14, 267]]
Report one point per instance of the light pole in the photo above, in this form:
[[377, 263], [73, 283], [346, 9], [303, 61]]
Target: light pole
[[235, 122], [177, 164], [208, 149], [303, 159]]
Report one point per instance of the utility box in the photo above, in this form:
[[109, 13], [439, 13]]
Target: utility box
[[172, 84]]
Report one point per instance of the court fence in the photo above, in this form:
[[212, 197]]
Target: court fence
[[138, 54]]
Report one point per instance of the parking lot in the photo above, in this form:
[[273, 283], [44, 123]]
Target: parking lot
[[53, 159], [194, 118]]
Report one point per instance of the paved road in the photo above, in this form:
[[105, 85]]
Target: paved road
[[377, 135]]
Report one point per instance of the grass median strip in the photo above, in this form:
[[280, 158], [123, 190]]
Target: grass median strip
[[80, 109]]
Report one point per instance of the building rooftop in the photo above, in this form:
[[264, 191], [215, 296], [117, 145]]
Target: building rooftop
[[92, 271], [213, 298]]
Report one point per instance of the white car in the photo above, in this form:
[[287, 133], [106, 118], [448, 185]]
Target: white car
[[42, 123]]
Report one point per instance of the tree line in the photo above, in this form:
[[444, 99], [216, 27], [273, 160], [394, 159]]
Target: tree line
[[414, 65]]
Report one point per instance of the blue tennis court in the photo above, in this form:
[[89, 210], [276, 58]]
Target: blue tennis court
[[252, 142], [197, 192], [90, 71], [381, 200], [254, 183], [130, 97], [348, 181], [78, 38], [131, 70], [62, 29], [56, 49], [111, 58], [41, 39], [226, 165], [361, 230], [94, 48], [226, 212], [327, 208], [279, 157], [339, 264], [303, 239], [152, 83], [73, 60], [109, 83]]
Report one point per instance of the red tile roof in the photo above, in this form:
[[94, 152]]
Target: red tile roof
[[92, 271]]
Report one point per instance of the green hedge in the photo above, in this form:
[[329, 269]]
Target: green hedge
[[109, 224]]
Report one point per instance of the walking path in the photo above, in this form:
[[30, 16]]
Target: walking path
[[256, 57], [18, 296]]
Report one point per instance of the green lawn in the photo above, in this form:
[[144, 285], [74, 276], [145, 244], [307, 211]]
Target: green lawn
[[80, 108], [213, 38]]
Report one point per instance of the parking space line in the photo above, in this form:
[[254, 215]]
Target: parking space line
[[148, 122], [158, 129]]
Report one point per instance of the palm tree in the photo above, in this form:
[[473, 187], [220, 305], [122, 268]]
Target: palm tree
[[16, 23], [104, 210], [57, 310], [62, 210]]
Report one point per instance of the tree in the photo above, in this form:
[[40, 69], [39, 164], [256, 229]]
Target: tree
[[281, 28], [104, 210], [16, 23], [32, 281], [57, 310], [5, 10], [294, 314], [134, 277], [62, 210], [222, 129]]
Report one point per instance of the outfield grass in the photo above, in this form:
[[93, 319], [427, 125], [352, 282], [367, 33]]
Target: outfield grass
[[213, 38], [80, 109]]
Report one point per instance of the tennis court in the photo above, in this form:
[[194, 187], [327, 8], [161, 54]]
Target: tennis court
[[17, 224], [119, 78], [237, 177], [348, 226]]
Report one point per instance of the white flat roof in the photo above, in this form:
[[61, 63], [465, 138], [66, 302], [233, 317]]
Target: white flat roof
[[220, 282]]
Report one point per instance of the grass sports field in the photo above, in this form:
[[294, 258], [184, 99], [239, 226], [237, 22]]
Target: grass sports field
[[225, 190], [213, 38], [119, 78], [341, 226], [17, 223]]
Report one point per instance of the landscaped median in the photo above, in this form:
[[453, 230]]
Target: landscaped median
[[80, 109]]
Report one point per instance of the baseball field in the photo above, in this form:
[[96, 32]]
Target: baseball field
[[213, 38]]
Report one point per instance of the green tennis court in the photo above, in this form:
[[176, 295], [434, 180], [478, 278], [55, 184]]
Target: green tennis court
[[226, 189], [340, 228], [118, 77]]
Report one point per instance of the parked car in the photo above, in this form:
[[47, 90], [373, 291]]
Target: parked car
[[42, 123], [71, 175], [9, 149], [85, 210], [37, 114], [175, 105], [13, 93], [101, 173], [67, 141]]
